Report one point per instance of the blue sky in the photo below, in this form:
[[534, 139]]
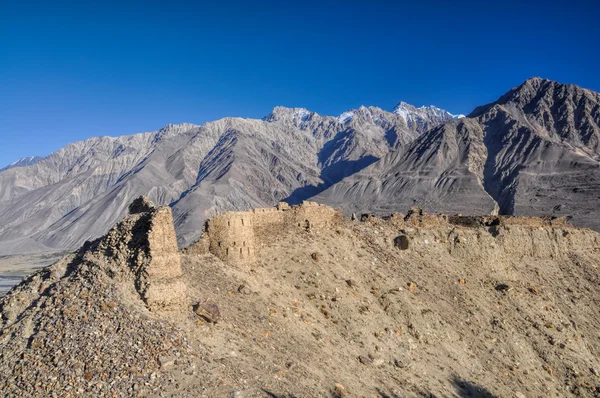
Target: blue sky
[[70, 70]]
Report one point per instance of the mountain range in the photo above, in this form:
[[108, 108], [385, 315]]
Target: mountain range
[[534, 151]]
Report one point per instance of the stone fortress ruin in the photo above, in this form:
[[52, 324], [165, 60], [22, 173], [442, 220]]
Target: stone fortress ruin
[[146, 242], [142, 248], [235, 237]]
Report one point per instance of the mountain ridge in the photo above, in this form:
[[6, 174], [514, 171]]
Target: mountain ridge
[[534, 151], [76, 193]]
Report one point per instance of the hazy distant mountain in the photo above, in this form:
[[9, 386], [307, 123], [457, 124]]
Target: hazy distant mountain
[[28, 161], [81, 190], [535, 151]]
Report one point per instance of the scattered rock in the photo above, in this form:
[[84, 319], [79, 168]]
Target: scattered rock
[[166, 362], [595, 371], [208, 310], [401, 364], [401, 242], [411, 286], [243, 289], [534, 290], [365, 360], [316, 256], [350, 283], [502, 287], [340, 391]]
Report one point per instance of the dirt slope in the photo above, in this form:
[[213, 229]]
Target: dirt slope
[[406, 306]]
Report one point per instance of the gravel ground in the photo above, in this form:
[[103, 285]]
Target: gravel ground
[[354, 310]]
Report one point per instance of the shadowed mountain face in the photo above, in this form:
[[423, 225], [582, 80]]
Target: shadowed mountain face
[[77, 193], [535, 151], [440, 171]]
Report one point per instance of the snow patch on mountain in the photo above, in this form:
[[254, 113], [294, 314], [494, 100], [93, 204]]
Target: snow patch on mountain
[[27, 161], [345, 117], [424, 117]]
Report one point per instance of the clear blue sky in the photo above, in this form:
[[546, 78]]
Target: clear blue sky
[[72, 70]]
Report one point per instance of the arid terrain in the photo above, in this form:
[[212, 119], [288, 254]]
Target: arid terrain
[[533, 152], [302, 302]]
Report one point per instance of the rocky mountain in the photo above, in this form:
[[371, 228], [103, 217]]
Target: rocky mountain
[[28, 161], [425, 117], [534, 151], [77, 193]]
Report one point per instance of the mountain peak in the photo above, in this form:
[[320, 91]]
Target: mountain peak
[[284, 113], [423, 118], [27, 161], [536, 79], [538, 93]]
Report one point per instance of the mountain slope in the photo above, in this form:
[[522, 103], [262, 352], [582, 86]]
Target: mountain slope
[[28, 161], [533, 152], [77, 193], [440, 171]]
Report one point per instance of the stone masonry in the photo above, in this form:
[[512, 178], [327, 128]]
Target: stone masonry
[[235, 237], [145, 241]]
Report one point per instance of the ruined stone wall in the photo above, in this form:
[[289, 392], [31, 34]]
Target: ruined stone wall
[[231, 238], [269, 222], [417, 218], [235, 237], [491, 238], [143, 248], [313, 216], [166, 289]]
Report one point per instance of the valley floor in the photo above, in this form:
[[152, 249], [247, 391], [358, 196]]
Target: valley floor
[[15, 267]]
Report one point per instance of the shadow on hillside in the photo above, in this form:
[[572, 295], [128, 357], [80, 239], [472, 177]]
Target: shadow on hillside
[[335, 172], [330, 175], [464, 389]]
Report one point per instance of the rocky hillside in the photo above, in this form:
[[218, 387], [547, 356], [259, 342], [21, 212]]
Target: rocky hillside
[[535, 151], [77, 193], [410, 306]]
